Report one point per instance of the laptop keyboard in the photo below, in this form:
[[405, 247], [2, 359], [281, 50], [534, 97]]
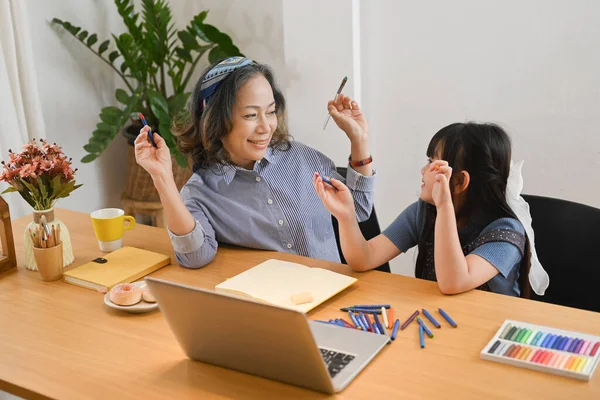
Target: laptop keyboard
[[335, 361]]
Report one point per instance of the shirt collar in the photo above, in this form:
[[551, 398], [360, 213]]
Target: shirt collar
[[229, 170]]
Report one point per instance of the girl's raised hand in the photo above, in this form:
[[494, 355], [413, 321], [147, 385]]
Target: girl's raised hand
[[348, 116], [337, 199], [155, 160], [441, 193]]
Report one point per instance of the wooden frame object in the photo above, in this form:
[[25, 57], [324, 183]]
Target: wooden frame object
[[8, 257]]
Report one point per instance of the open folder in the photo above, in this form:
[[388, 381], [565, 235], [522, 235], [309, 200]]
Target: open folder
[[276, 281]]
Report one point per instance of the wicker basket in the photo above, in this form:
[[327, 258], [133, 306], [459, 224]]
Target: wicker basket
[[139, 183]]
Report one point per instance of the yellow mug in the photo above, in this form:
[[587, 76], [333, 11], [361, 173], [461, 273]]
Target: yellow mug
[[109, 226]]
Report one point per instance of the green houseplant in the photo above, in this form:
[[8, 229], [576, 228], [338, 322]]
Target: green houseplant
[[155, 62]]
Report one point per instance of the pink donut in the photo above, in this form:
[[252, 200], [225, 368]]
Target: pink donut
[[125, 294]]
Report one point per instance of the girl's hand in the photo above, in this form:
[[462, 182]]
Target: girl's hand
[[441, 193], [155, 160], [347, 115], [338, 202]]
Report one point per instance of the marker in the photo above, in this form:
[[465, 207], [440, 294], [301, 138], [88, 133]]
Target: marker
[[421, 337], [447, 317], [395, 330], [430, 318], [409, 320], [425, 328], [150, 134]]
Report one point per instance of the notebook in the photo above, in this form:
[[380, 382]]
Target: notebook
[[276, 281], [124, 265]]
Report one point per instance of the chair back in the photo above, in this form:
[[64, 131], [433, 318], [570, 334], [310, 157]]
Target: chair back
[[566, 234]]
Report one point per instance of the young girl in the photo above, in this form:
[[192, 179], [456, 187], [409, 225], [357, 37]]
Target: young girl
[[252, 185], [467, 235]]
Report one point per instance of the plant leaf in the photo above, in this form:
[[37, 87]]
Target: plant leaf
[[9, 189], [216, 54], [92, 39], [122, 96], [42, 187], [113, 56], [82, 35], [92, 148], [89, 158], [189, 41], [159, 105], [103, 46]]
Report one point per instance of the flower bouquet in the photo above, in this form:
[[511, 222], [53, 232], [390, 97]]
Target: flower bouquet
[[41, 174]]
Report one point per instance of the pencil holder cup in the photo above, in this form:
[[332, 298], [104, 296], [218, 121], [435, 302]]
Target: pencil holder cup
[[49, 262]]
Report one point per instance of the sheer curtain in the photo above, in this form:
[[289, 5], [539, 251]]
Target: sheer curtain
[[20, 110]]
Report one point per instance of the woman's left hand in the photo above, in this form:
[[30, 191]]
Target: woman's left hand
[[347, 115], [441, 193]]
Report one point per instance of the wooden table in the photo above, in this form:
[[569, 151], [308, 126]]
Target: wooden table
[[60, 341]]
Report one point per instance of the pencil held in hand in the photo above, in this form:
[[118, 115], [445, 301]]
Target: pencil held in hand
[[335, 98]]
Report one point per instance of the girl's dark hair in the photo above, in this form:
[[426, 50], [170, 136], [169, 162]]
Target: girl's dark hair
[[200, 131], [484, 151]]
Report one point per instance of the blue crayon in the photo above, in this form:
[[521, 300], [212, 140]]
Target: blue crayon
[[421, 337], [379, 326], [374, 306], [552, 342], [353, 320], [546, 340], [327, 181], [365, 324], [566, 345], [365, 310], [559, 343], [430, 318], [376, 329], [425, 328], [395, 330], [447, 318]]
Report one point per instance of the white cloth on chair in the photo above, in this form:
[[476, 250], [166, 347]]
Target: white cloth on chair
[[538, 277]]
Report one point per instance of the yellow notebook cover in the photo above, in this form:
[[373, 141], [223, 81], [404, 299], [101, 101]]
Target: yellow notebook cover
[[124, 265], [275, 281]]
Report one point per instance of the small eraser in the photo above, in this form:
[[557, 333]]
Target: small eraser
[[301, 298]]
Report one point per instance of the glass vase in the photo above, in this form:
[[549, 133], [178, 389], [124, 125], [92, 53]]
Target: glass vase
[[65, 238]]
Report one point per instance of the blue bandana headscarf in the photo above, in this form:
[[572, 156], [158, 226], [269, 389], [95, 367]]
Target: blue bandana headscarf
[[217, 75]]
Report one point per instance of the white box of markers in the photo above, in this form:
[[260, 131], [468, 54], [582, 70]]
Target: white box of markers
[[541, 348]]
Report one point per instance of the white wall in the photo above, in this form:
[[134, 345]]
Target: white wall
[[74, 85]]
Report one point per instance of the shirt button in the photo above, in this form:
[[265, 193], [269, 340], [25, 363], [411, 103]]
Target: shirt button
[[270, 201], [258, 179], [289, 245], [280, 222]]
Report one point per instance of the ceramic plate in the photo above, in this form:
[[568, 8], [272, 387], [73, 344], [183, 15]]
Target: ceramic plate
[[138, 308]]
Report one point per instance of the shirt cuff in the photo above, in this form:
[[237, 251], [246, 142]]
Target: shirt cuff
[[357, 181], [190, 242]]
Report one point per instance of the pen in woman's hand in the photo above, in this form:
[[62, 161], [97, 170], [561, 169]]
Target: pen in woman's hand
[[335, 98]]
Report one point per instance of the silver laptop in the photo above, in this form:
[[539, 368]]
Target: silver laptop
[[261, 339]]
